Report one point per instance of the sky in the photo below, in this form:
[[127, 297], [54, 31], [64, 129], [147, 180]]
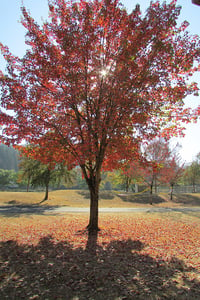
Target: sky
[[12, 34]]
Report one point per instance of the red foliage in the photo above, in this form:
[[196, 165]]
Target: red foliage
[[95, 75]]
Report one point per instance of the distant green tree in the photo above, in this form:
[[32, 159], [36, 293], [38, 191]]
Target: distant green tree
[[7, 177], [39, 174], [192, 173], [79, 181]]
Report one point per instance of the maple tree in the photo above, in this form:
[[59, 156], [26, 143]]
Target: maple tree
[[157, 154], [172, 172], [131, 173], [96, 81]]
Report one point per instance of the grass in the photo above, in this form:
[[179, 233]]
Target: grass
[[76, 198], [135, 255]]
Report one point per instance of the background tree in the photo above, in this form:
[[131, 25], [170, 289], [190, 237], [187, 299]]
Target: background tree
[[157, 154], [172, 171], [7, 177], [96, 81], [39, 174], [131, 173], [27, 168], [192, 173]]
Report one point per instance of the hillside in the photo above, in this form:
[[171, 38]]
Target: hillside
[[8, 158]]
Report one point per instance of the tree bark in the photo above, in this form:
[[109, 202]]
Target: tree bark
[[46, 192], [151, 188], [171, 193], [94, 205], [91, 246], [28, 185], [93, 185], [194, 188]]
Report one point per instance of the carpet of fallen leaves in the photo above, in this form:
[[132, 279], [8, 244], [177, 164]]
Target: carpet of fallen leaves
[[134, 256]]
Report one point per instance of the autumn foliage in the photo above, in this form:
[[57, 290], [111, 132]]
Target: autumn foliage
[[96, 81]]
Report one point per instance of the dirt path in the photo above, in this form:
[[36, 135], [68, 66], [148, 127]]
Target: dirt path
[[49, 210]]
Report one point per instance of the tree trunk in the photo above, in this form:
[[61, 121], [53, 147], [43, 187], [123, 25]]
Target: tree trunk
[[46, 192], [151, 188], [126, 184], [28, 185], [171, 192], [194, 188], [91, 246], [155, 186], [47, 175], [94, 203]]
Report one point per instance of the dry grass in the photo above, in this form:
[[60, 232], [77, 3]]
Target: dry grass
[[60, 198], [76, 198], [71, 198]]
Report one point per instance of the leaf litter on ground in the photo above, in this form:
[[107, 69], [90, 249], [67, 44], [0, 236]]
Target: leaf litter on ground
[[134, 255]]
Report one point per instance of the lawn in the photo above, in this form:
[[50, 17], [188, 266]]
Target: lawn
[[134, 256], [76, 198]]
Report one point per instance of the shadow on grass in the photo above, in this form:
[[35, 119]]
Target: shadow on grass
[[186, 199], [102, 195], [142, 198], [56, 270], [19, 209]]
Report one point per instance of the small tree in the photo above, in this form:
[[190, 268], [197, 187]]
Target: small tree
[[7, 177], [192, 174], [131, 173], [172, 172], [157, 154], [39, 174]]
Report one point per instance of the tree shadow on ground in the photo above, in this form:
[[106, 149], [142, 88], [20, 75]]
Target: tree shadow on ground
[[28, 209], [146, 198], [186, 199], [118, 270], [102, 194]]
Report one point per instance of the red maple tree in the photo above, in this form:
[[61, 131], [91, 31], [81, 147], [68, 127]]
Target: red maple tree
[[172, 172], [95, 81], [157, 154]]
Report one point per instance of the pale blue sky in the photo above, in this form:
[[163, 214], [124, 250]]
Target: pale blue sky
[[12, 34]]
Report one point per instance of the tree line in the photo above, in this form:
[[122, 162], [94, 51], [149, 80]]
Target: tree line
[[161, 166]]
